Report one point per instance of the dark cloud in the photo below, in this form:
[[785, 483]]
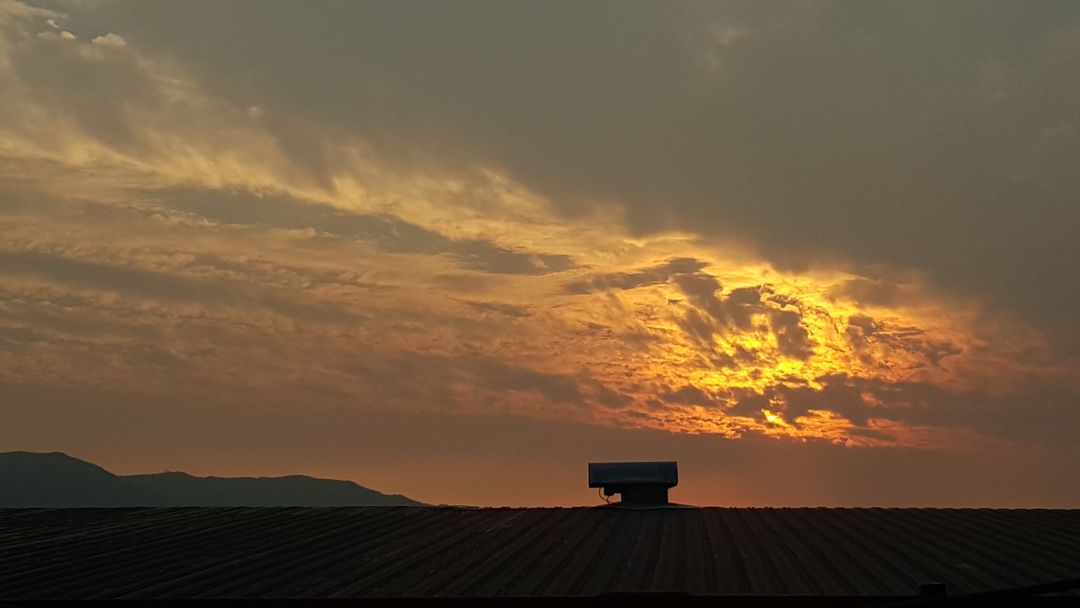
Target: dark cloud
[[876, 292], [140, 283], [578, 389], [653, 275], [19, 336], [505, 377], [700, 288], [279, 274], [1020, 416], [508, 310], [863, 332], [712, 311], [792, 339], [747, 402], [421, 379], [689, 395], [734, 312], [698, 327], [384, 231]]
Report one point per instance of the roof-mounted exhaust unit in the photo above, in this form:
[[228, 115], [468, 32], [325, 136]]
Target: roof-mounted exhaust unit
[[637, 482]]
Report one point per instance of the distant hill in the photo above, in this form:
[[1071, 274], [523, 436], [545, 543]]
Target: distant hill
[[30, 479]]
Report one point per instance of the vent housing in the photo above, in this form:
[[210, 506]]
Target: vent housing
[[642, 483]]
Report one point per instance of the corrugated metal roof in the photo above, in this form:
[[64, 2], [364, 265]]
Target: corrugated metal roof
[[423, 552]]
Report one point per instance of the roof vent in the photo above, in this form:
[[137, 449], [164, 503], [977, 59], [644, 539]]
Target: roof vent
[[637, 482]]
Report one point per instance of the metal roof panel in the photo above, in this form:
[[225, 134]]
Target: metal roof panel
[[183, 553]]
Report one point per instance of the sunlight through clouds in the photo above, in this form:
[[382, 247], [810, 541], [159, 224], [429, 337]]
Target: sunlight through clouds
[[159, 235]]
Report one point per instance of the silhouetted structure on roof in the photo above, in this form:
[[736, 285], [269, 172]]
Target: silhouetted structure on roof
[[638, 483]]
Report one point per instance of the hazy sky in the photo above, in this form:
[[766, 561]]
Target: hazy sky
[[820, 253]]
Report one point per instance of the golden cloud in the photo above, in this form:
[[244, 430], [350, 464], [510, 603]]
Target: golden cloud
[[155, 237]]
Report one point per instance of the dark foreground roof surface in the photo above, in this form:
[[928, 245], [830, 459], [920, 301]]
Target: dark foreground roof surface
[[187, 553]]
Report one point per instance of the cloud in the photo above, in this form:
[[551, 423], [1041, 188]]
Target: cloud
[[19, 335], [815, 131], [690, 219], [136, 282], [737, 311], [653, 275], [864, 333], [1016, 417], [886, 291], [384, 231], [508, 310], [710, 312], [111, 40]]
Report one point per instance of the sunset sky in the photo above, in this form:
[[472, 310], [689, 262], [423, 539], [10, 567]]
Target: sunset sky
[[820, 253]]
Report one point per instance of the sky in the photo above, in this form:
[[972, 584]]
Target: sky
[[819, 253]]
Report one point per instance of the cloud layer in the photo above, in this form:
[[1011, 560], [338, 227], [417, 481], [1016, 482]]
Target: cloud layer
[[809, 222], [914, 135]]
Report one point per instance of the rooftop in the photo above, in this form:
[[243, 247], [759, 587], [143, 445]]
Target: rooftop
[[350, 552]]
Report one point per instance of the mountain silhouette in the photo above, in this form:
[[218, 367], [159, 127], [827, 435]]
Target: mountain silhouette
[[32, 479]]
